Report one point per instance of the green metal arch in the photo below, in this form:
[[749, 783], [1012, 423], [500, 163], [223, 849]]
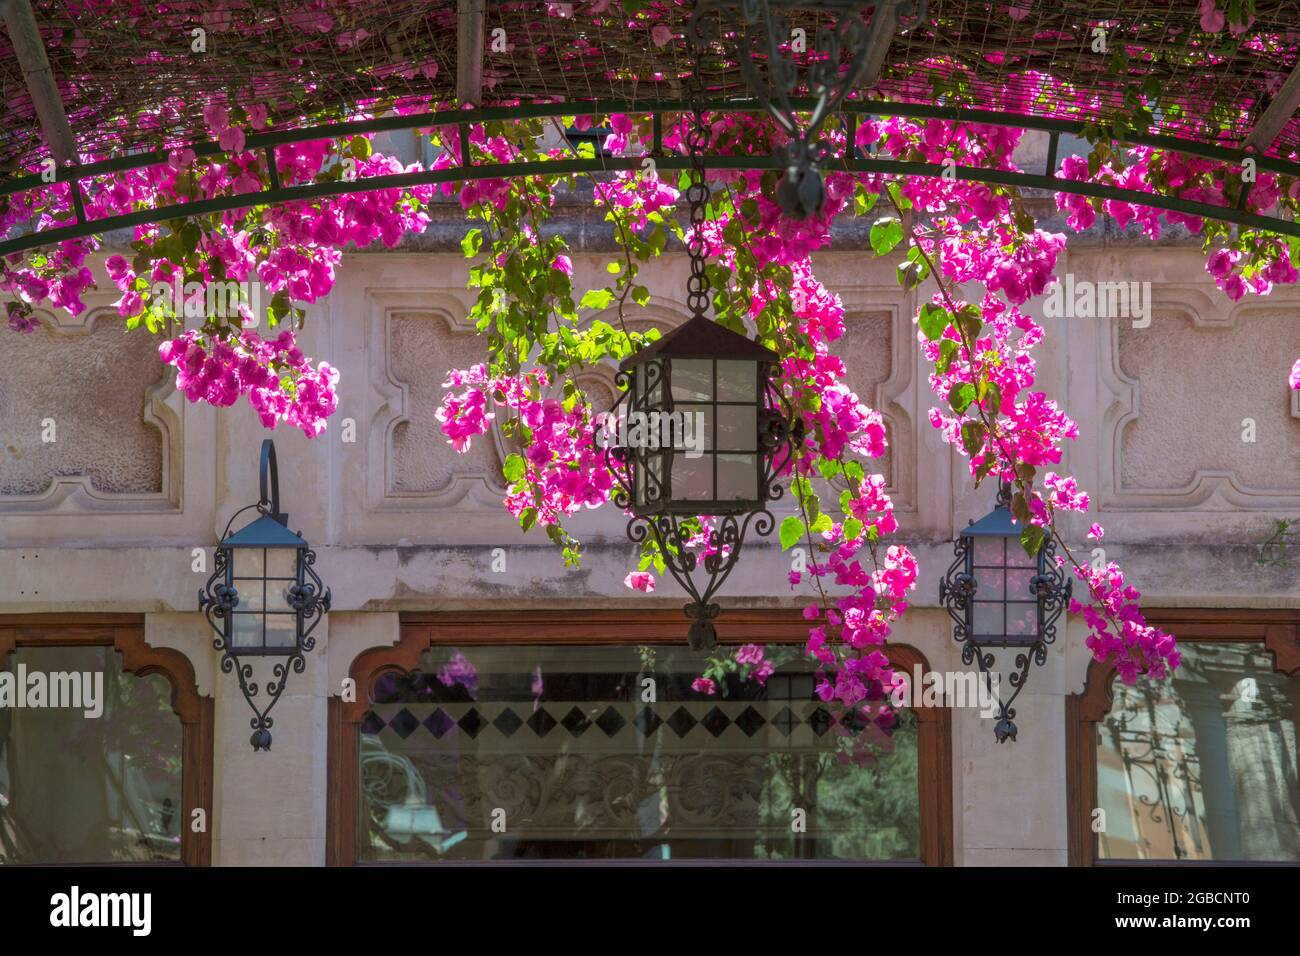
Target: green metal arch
[[855, 111]]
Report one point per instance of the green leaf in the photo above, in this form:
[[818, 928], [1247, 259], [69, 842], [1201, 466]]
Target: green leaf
[[472, 243], [823, 524], [852, 529], [933, 319], [596, 299], [1020, 508], [640, 295], [1031, 539], [947, 352], [792, 529], [962, 394], [514, 467], [886, 233], [528, 518], [973, 435], [971, 322]]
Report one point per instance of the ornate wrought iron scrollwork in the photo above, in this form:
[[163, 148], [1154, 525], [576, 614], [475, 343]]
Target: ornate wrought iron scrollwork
[[829, 71]]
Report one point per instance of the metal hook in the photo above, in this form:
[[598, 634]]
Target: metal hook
[[269, 466]]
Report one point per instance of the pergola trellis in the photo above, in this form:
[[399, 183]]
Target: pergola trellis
[[116, 91]]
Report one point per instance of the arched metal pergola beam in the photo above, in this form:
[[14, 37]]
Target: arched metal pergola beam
[[854, 111]]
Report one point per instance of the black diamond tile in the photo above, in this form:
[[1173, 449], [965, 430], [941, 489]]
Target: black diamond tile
[[750, 721], [682, 722], [472, 723], [403, 723], [715, 722], [786, 721], [820, 721], [541, 723], [372, 723], [611, 721], [507, 722], [647, 721], [576, 722], [439, 722]]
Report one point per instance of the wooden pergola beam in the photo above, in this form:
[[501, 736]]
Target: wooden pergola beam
[[881, 36], [20, 21], [469, 51], [1280, 112]]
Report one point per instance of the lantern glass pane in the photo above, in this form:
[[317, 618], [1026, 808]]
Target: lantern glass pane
[[988, 552], [277, 595], [654, 398], [246, 630], [282, 563], [1018, 584], [737, 477], [1017, 558], [1022, 620], [737, 427], [252, 595], [692, 477], [988, 619], [694, 422], [990, 584], [281, 630], [737, 381], [248, 562], [692, 380]]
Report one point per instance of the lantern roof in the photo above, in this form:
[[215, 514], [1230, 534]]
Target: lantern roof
[[268, 531], [998, 523], [702, 338]]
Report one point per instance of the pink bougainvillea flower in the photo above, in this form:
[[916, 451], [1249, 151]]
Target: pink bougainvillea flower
[[640, 580]]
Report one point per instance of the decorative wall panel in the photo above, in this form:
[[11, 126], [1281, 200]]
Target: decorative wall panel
[[58, 451]]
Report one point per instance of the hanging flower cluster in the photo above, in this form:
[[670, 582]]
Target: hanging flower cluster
[[975, 242]]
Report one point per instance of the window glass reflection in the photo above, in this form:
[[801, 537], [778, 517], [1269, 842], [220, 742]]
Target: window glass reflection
[[1202, 767], [89, 789]]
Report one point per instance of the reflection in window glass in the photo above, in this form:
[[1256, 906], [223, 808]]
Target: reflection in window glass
[[606, 752], [84, 789], [1202, 767]]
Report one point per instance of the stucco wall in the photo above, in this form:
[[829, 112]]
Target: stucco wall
[[108, 515]]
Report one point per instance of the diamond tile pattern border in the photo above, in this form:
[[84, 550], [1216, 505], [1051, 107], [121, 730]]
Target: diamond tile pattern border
[[740, 718]]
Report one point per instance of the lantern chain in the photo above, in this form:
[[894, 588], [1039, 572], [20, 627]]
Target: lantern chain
[[698, 135]]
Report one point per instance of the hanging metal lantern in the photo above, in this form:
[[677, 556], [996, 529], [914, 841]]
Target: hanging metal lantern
[[264, 599], [701, 429], [846, 53], [999, 596]]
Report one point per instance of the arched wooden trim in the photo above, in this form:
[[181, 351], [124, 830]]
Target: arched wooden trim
[[125, 634], [1278, 630], [422, 630]]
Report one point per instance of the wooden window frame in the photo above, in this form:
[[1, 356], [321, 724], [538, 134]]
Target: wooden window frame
[[1277, 630], [420, 631], [125, 634]]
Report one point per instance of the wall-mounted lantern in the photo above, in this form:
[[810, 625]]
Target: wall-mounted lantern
[[999, 596], [264, 599]]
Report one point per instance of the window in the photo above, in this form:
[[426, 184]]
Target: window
[[102, 756], [1202, 767], [603, 751]]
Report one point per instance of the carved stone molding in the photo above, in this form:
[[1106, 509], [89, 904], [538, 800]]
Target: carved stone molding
[[112, 458], [1235, 483], [411, 336], [891, 392]]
